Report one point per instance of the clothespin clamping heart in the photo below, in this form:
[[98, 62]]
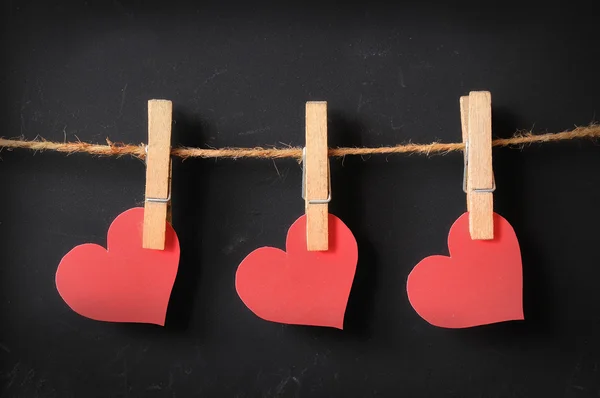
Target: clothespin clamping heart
[[131, 280], [316, 179], [478, 177], [158, 174], [481, 281], [309, 283]]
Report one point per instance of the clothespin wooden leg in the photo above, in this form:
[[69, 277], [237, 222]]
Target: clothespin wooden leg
[[169, 204], [158, 173], [316, 179], [476, 120], [464, 124]]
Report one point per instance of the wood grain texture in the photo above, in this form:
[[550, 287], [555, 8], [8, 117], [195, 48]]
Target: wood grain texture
[[158, 172], [317, 176], [480, 172]]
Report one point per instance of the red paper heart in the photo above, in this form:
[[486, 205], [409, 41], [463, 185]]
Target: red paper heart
[[480, 283], [301, 287], [124, 283]]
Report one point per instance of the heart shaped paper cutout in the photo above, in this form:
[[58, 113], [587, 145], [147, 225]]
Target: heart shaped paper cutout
[[480, 283], [301, 287], [124, 283]]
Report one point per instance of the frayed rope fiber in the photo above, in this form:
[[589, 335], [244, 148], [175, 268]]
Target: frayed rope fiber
[[520, 139]]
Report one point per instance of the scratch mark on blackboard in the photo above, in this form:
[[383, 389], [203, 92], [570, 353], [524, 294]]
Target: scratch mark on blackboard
[[125, 374], [401, 78], [12, 375], [259, 374], [217, 73], [4, 348], [121, 351], [123, 91], [284, 382], [376, 52], [231, 247], [40, 90], [67, 325], [574, 372], [28, 377], [360, 103], [276, 169], [118, 6], [394, 127], [170, 385], [22, 122], [250, 132]]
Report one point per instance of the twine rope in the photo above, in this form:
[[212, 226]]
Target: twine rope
[[519, 139]]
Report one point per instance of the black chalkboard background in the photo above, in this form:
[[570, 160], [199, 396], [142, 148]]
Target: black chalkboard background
[[239, 75]]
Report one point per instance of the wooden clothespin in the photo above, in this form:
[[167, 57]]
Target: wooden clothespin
[[478, 182], [158, 174], [316, 184]]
